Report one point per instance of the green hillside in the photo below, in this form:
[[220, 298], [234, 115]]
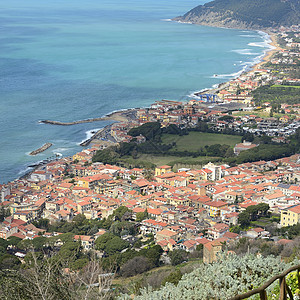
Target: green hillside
[[245, 14]]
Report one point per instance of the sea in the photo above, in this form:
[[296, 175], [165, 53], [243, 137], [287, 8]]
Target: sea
[[69, 60]]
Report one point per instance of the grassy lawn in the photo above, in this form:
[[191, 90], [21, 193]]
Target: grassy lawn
[[288, 86], [196, 140], [259, 113], [168, 159], [263, 222]]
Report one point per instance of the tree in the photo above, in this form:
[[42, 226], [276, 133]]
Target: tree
[[70, 251], [177, 257], [120, 212], [140, 216], [220, 280], [173, 278], [13, 240], [9, 262], [153, 254], [244, 219], [134, 266], [149, 130], [79, 220], [45, 279], [4, 212], [42, 223], [39, 243], [110, 244]]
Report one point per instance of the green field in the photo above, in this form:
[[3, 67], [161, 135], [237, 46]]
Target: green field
[[195, 140], [259, 113], [167, 160], [288, 86]]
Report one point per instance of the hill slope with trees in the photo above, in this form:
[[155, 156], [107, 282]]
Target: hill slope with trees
[[245, 14]]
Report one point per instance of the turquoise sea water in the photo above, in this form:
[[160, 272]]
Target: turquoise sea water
[[68, 60]]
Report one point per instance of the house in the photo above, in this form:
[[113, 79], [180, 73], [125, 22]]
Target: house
[[231, 218], [217, 231], [242, 147], [257, 233], [189, 245], [214, 208], [166, 234], [290, 216], [162, 170], [87, 241], [210, 251]]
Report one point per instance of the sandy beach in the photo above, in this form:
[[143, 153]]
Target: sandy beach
[[257, 66], [270, 53]]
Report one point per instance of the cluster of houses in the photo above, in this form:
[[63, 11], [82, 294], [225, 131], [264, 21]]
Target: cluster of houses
[[183, 209], [189, 114]]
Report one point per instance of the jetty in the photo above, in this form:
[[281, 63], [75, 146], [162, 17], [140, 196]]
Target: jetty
[[120, 116], [41, 149], [74, 122]]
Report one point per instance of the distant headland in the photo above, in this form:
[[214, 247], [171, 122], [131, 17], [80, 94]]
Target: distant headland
[[245, 14]]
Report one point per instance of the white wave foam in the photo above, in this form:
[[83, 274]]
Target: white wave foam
[[258, 44], [89, 134], [58, 154], [59, 150], [118, 110], [248, 35], [24, 171], [193, 95], [245, 65], [166, 20], [244, 52]]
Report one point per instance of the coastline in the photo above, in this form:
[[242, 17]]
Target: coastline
[[123, 115], [270, 38], [269, 53]]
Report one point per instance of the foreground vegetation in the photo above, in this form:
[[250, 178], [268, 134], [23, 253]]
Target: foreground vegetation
[[59, 268], [230, 276]]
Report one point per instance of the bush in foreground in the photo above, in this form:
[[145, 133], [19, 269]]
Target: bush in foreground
[[230, 276]]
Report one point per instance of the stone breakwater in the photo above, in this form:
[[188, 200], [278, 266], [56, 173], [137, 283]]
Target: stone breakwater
[[74, 122], [41, 149], [120, 116]]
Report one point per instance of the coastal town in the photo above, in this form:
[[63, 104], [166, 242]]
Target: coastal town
[[182, 208]]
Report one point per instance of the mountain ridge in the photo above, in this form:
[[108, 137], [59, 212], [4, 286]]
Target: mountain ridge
[[245, 14]]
